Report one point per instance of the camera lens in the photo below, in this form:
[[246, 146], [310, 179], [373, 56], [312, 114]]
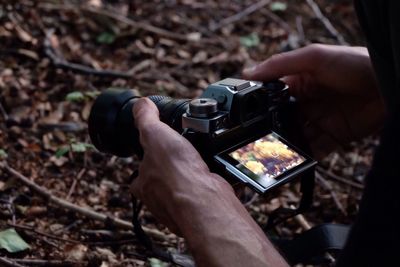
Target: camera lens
[[111, 123]]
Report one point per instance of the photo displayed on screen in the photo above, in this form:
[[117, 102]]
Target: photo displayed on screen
[[267, 157]]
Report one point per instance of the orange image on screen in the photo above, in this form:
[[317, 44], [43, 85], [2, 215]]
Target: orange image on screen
[[267, 157]]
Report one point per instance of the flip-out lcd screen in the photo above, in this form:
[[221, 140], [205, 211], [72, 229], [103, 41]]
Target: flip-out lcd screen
[[265, 162], [267, 157]]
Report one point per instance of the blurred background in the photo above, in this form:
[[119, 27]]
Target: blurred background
[[57, 56]]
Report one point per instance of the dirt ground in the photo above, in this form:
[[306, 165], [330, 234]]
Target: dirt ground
[[56, 56]]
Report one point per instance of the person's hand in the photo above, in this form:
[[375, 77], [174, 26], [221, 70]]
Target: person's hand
[[172, 172], [336, 89], [178, 188]]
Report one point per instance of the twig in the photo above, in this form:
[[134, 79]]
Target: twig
[[9, 262], [72, 189], [327, 186], [87, 212], [61, 63], [54, 263], [23, 34], [137, 24], [325, 21], [31, 229], [251, 201], [130, 240], [338, 178], [3, 111], [107, 234], [303, 222], [300, 29], [180, 88], [278, 20], [21, 52], [130, 22], [244, 13]]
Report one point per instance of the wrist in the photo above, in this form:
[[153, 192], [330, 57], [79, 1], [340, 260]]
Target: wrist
[[208, 193], [218, 229]]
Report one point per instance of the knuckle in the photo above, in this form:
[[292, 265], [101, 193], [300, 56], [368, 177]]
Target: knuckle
[[316, 51], [274, 59]]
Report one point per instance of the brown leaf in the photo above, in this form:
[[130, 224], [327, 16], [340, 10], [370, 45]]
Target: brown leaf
[[75, 252], [35, 211]]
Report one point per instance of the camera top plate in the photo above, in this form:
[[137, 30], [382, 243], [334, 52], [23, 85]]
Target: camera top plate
[[235, 84]]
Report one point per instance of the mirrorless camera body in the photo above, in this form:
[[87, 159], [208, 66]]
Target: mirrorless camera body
[[241, 129]]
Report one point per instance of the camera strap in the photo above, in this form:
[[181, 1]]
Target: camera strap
[[310, 247], [155, 251]]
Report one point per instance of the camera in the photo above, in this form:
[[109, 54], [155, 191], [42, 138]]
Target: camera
[[241, 129]]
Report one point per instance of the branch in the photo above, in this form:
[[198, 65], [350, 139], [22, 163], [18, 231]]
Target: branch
[[9, 262], [130, 22], [333, 176], [3, 112], [244, 13], [327, 186], [86, 212], [61, 63], [58, 263], [31, 229], [137, 24], [304, 223], [325, 21], [91, 243]]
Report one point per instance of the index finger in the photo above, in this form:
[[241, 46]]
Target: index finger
[[284, 64]]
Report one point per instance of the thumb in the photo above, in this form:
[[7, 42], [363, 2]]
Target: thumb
[[284, 64], [145, 113], [147, 121]]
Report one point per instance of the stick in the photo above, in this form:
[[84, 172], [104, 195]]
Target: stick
[[130, 22], [86, 212], [244, 13], [327, 186], [31, 229], [251, 201], [325, 21], [58, 263], [3, 111], [303, 222], [9, 262], [137, 24], [338, 178], [91, 243], [61, 63], [278, 20], [71, 190], [300, 29]]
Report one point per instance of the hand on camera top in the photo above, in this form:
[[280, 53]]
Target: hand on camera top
[[336, 89]]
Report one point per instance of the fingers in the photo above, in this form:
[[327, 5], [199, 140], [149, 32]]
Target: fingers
[[294, 62]]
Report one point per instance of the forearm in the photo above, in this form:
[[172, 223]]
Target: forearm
[[220, 232]]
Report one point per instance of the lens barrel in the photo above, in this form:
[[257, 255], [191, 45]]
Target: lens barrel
[[112, 125]]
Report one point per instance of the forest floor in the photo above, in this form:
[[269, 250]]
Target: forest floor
[[56, 56]]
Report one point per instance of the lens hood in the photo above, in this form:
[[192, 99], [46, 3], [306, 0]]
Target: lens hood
[[111, 123]]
